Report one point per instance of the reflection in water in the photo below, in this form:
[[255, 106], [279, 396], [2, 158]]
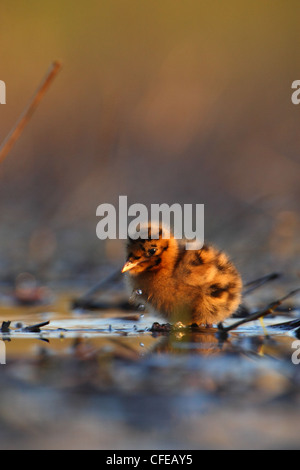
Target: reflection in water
[[127, 341], [204, 341], [209, 342]]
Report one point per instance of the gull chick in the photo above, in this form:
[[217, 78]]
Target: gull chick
[[192, 286]]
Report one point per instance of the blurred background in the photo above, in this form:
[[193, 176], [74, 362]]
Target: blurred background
[[166, 101]]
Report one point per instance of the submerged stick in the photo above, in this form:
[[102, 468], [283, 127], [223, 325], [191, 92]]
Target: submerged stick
[[15, 133], [259, 314]]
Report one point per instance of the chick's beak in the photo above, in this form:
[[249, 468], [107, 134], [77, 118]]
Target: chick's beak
[[129, 265]]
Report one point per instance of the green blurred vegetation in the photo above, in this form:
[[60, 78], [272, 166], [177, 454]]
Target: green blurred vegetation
[[164, 101]]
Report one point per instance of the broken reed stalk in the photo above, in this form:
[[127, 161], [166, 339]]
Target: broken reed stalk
[[260, 314], [15, 133]]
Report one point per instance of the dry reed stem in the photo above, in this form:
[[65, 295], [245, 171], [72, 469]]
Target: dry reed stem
[[24, 118]]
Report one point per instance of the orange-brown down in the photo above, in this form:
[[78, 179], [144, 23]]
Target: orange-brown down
[[192, 286]]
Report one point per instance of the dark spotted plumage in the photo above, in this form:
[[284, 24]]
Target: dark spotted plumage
[[217, 290], [193, 286], [197, 260]]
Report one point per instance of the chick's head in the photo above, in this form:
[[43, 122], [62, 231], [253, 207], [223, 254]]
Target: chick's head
[[146, 254]]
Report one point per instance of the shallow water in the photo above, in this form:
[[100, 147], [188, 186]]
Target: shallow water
[[105, 329], [102, 379]]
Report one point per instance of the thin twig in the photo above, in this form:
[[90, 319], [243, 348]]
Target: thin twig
[[86, 300], [115, 275], [24, 118], [287, 325], [252, 285], [259, 314]]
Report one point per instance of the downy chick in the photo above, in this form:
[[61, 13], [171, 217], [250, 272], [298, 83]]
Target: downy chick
[[192, 286]]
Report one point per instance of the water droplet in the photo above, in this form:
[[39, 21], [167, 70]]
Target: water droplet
[[141, 307], [139, 292], [142, 345]]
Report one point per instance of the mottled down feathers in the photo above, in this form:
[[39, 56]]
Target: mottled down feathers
[[193, 286]]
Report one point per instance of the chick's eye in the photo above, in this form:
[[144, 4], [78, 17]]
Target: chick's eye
[[152, 251]]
